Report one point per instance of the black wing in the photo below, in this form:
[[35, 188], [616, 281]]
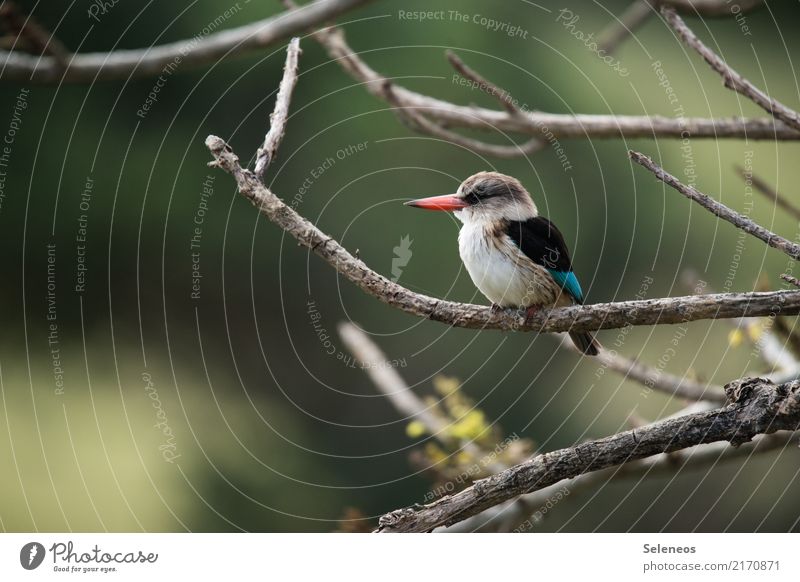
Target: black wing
[[541, 242]]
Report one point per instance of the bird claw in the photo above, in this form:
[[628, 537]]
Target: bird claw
[[496, 308], [531, 311]]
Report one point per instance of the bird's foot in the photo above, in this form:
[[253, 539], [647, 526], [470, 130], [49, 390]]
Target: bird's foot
[[496, 308], [531, 311]]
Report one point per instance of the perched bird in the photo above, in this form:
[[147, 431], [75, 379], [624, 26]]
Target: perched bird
[[515, 257]]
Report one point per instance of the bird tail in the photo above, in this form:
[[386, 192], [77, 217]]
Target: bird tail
[[585, 342]]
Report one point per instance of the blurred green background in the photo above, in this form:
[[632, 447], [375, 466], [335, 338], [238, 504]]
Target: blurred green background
[[268, 430]]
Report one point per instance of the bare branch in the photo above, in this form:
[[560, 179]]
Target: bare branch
[[713, 7], [503, 97], [277, 121], [717, 208], [388, 381], [639, 11], [424, 125], [756, 407], [730, 78], [539, 124], [770, 193], [191, 52], [653, 378], [576, 318], [513, 514], [38, 39], [789, 279]]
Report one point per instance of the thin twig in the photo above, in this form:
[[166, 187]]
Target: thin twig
[[756, 407], [730, 78], [793, 280], [424, 125], [576, 318], [717, 208], [389, 382], [634, 16], [503, 97], [768, 192], [713, 7], [653, 378], [87, 67], [277, 120]]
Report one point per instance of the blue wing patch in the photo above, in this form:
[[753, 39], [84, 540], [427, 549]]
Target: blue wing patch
[[569, 282]]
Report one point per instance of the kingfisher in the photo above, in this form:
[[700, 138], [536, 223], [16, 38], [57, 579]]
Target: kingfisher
[[515, 257]]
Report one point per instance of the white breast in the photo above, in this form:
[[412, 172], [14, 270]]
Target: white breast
[[501, 272]]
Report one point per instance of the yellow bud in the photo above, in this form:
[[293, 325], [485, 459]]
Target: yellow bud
[[446, 384], [754, 332], [415, 429], [735, 338]]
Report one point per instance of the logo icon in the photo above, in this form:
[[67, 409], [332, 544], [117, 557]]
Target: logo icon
[[31, 555], [402, 254]]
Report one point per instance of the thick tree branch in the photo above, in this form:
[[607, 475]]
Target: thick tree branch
[[756, 407], [717, 208], [730, 78], [577, 318], [191, 52], [514, 514], [277, 120]]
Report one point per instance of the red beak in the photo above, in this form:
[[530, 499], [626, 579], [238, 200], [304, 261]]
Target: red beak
[[447, 202]]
